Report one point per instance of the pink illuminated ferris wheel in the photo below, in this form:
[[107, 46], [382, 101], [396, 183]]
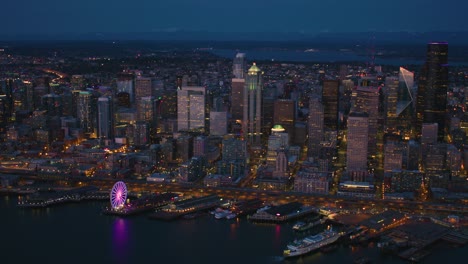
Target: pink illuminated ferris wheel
[[118, 195]]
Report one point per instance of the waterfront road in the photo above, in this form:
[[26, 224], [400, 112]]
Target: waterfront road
[[279, 197]]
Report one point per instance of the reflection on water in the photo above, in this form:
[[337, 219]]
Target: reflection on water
[[277, 234], [120, 238], [38, 212], [233, 231]]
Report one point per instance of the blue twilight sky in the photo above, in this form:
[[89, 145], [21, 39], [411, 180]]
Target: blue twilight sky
[[20, 17]]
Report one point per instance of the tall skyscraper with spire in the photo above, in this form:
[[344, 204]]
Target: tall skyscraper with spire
[[251, 124], [432, 90]]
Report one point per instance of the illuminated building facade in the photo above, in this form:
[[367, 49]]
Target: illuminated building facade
[[191, 108], [251, 124], [143, 87], [358, 139], [239, 65], [86, 112]]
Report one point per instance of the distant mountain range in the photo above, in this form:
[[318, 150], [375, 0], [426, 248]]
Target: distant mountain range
[[454, 38]]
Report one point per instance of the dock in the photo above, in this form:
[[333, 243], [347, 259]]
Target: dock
[[141, 205], [246, 207], [74, 195], [421, 236], [282, 213], [180, 208]]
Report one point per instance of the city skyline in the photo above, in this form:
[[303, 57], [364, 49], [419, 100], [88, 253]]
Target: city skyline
[[311, 17], [281, 141]]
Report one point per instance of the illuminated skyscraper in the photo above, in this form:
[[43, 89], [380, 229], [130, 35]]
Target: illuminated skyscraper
[[143, 87], [398, 105], [367, 100], [86, 112], [405, 93], [146, 109], [432, 90], [191, 108], [238, 66], [356, 152], [251, 124], [393, 156]]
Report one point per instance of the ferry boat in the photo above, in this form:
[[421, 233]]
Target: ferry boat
[[302, 226], [231, 216], [311, 243], [222, 214], [299, 225]]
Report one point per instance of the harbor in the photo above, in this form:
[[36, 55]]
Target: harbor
[[399, 234], [142, 205], [178, 209], [38, 200], [282, 213]]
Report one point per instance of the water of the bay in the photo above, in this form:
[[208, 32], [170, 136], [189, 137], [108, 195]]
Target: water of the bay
[[79, 233], [318, 56]]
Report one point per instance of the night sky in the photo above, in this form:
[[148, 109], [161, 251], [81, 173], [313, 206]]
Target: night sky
[[19, 17]]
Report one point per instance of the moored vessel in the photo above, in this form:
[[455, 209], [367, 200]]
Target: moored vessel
[[311, 243]]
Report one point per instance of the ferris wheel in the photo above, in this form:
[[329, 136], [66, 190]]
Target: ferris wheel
[[118, 195]]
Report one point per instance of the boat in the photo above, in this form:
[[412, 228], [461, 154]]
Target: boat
[[298, 225], [311, 243], [263, 209], [231, 216], [222, 214], [193, 215], [301, 226], [362, 260]]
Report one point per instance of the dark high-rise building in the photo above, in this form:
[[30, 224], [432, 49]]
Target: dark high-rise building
[[288, 88], [315, 127], [167, 104], [143, 87], [52, 103], [237, 98], [284, 113], [432, 91], [105, 118], [330, 99]]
